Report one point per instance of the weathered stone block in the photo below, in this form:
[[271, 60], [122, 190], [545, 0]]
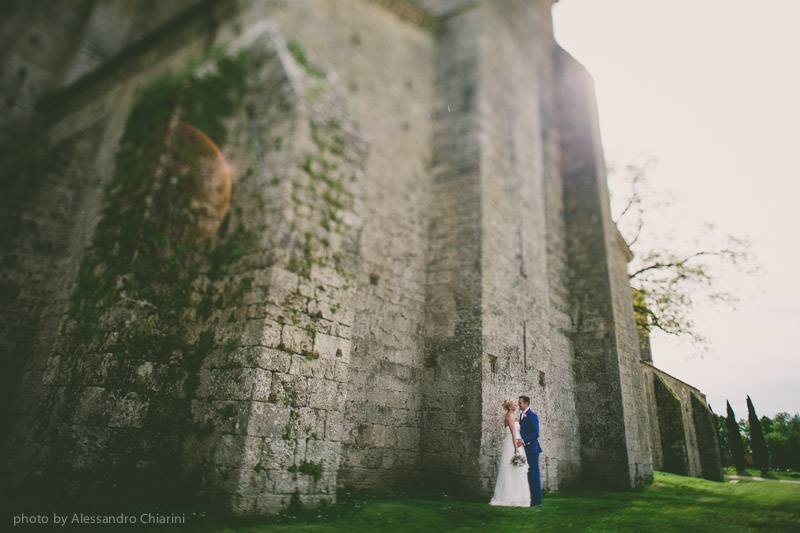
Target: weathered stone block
[[332, 347], [271, 359], [277, 453], [324, 394], [268, 420], [226, 383], [262, 385], [296, 339], [282, 284], [128, 411]]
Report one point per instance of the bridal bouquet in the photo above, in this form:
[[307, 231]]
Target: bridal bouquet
[[519, 460]]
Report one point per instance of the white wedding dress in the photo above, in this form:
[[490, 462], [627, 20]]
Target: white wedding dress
[[511, 488]]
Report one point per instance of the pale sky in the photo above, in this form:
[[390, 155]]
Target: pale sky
[[711, 88]]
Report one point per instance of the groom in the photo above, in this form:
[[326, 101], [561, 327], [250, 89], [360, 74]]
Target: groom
[[529, 431]]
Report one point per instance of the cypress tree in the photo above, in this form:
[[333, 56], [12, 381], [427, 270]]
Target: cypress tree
[[735, 440], [760, 456]]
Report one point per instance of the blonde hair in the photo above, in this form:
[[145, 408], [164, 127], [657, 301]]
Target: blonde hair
[[507, 404]]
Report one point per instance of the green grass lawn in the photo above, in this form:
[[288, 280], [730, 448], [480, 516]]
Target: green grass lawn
[[773, 474], [671, 503]]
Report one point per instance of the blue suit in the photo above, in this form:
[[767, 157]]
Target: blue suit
[[529, 433]]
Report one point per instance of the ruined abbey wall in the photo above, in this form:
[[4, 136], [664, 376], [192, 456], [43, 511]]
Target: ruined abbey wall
[[682, 430], [416, 227]]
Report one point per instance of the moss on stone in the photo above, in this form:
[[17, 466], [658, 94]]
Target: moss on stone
[[137, 287], [289, 432], [295, 504], [228, 411], [24, 173], [707, 444], [301, 265], [300, 56], [231, 345], [309, 468], [671, 428]]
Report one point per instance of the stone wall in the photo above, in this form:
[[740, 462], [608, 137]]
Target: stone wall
[[253, 262], [610, 395], [672, 430], [683, 433], [37, 56], [634, 403], [218, 373], [305, 307], [707, 439], [453, 309], [51, 208], [389, 91], [525, 311]]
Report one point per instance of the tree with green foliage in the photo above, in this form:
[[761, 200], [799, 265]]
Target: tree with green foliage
[[782, 437], [766, 424], [669, 281], [735, 440], [757, 443], [744, 431], [722, 440]]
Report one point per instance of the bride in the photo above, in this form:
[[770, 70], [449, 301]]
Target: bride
[[511, 488]]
